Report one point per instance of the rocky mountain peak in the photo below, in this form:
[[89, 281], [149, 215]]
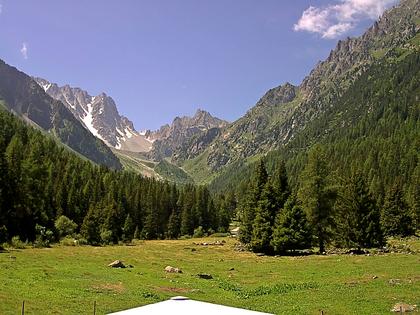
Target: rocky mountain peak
[[282, 94], [170, 138], [352, 56], [99, 114]]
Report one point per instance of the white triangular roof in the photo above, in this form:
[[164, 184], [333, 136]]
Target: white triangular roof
[[184, 306]]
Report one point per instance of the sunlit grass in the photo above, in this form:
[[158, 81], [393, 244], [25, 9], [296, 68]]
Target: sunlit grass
[[67, 280]]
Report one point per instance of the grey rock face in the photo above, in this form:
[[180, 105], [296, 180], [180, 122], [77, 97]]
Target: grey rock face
[[99, 114], [178, 139], [25, 98], [286, 110]]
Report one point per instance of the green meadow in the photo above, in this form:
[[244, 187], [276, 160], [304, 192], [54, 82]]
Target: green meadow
[[69, 279]]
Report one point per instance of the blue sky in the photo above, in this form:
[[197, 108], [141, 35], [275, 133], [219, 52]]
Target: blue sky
[[160, 59]]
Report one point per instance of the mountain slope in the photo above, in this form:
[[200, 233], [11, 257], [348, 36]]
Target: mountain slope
[[374, 127], [23, 96], [286, 111], [174, 141], [99, 114]]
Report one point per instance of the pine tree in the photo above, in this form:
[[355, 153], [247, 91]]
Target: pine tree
[[316, 196], [291, 230], [186, 203], [90, 227], [414, 195], [358, 215], [174, 225], [281, 184], [395, 217], [128, 229], [261, 232], [113, 223], [253, 197]]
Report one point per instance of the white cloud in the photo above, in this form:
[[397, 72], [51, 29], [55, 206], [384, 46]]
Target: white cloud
[[1, 8], [336, 30], [336, 19], [24, 50]]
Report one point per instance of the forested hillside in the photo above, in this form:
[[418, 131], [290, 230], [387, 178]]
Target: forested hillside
[[373, 130], [24, 97], [287, 112], [46, 192]]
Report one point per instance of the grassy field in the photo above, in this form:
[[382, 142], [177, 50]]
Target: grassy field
[[67, 280]]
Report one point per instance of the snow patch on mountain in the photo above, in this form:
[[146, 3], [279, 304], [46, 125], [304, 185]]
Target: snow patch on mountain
[[88, 121], [99, 114]]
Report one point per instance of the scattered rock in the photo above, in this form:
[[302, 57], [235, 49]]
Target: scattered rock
[[117, 264], [394, 281], [260, 254], [205, 276], [170, 269], [232, 269], [375, 277], [239, 247], [403, 308], [216, 243], [357, 252]]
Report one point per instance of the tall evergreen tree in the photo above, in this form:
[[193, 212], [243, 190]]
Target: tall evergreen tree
[[90, 228], [174, 225], [414, 195], [358, 214], [395, 216], [316, 195], [128, 229], [281, 184], [291, 230], [261, 231], [253, 197]]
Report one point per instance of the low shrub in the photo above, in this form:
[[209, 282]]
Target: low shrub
[[17, 243]]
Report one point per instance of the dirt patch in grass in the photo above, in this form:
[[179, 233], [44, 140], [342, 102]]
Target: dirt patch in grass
[[108, 288]]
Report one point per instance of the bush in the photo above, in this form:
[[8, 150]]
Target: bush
[[65, 226], [17, 243], [44, 237], [106, 237], [81, 241], [199, 232], [68, 241]]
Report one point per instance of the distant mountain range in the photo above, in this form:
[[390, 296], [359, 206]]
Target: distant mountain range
[[286, 112], [203, 148], [21, 95], [99, 114]]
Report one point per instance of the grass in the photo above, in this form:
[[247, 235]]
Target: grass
[[67, 280], [135, 163], [173, 173]]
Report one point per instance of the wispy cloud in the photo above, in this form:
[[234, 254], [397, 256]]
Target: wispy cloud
[[336, 19], [1, 8], [24, 50]]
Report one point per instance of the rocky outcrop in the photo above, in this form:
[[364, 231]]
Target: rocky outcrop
[[99, 114], [285, 111], [186, 137], [24, 97]]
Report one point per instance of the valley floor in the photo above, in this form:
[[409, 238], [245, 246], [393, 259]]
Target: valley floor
[[67, 280]]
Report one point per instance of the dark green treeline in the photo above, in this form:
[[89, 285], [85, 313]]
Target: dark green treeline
[[41, 181], [324, 209]]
